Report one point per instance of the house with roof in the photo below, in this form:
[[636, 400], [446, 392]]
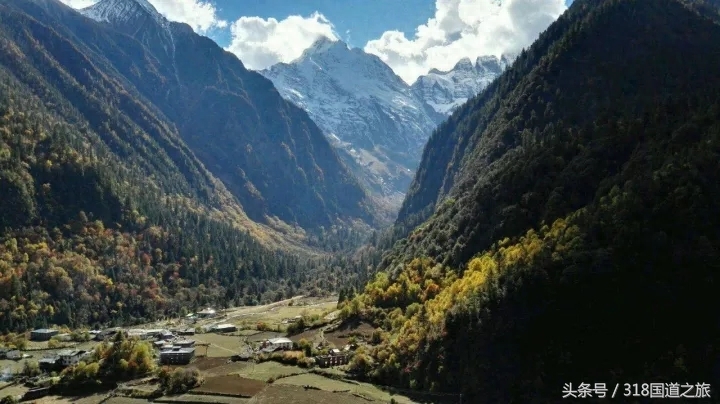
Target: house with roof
[[42, 334], [274, 344], [49, 363], [222, 328], [207, 313], [71, 357], [333, 359], [108, 333], [184, 343], [186, 331], [177, 355]]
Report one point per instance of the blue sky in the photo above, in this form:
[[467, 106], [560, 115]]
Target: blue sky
[[410, 36], [364, 19]]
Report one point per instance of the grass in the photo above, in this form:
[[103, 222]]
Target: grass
[[232, 385], [201, 398], [323, 383], [310, 335], [262, 336], [124, 400], [273, 315], [247, 333], [341, 336], [220, 345], [266, 370], [12, 390], [286, 394]]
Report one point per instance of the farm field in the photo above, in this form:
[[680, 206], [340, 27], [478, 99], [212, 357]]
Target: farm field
[[264, 371], [218, 366], [341, 336], [286, 394], [262, 336], [8, 389], [121, 400], [201, 398], [309, 335], [92, 399], [327, 384], [231, 385], [274, 314], [241, 382], [220, 345]]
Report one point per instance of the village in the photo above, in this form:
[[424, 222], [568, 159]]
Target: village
[[242, 354]]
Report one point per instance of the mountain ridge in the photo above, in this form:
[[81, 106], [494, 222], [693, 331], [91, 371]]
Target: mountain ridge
[[363, 107], [569, 206], [445, 91], [106, 215], [175, 74]]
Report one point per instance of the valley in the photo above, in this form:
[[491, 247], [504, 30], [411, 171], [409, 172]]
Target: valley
[[176, 227], [252, 380]]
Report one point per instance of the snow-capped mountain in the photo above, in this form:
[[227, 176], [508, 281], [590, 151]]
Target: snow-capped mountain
[[376, 121], [122, 10], [445, 91], [140, 19]]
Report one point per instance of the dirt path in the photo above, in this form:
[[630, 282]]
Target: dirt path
[[224, 349]]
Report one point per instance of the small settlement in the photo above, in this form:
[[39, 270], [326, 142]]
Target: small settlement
[[173, 346]]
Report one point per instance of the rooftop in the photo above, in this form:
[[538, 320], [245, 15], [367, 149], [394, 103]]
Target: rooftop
[[44, 330], [177, 350]]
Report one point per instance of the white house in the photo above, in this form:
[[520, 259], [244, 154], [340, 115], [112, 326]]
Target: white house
[[224, 328], [206, 313], [71, 357], [278, 343]]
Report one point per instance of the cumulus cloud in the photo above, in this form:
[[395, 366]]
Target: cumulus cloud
[[465, 28], [201, 15], [261, 43]]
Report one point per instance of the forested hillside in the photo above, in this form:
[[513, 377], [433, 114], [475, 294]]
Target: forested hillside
[[567, 213], [89, 237], [106, 215]]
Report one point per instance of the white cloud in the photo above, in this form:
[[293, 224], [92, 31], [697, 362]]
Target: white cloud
[[465, 28], [77, 4], [201, 15], [261, 43]]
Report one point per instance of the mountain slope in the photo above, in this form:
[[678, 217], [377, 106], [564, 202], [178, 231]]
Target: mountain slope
[[266, 151], [570, 210], [106, 215], [446, 91], [370, 114]]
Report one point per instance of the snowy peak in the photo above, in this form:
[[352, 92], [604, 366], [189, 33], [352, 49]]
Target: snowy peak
[[464, 64], [490, 63], [323, 45], [445, 91], [369, 113], [123, 11]]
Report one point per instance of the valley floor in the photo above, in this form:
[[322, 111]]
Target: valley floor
[[235, 382]]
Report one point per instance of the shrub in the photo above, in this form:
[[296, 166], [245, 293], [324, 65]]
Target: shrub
[[9, 400], [180, 380], [30, 369], [54, 343], [80, 336]]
